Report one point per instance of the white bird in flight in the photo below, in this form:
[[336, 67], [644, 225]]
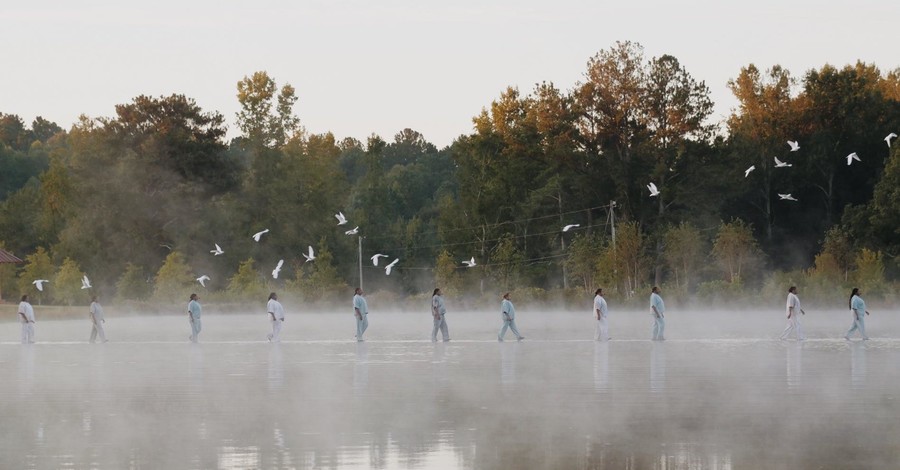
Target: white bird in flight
[[653, 191], [257, 235], [387, 269], [85, 282], [218, 251], [786, 197], [375, 258], [40, 284], [341, 219], [311, 255], [889, 137], [748, 170], [794, 145], [781, 164], [470, 263], [277, 269], [202, 280], [352, 232], [570, 226], [851, 157]]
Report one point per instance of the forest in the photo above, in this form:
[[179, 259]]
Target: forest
[[138, 200]]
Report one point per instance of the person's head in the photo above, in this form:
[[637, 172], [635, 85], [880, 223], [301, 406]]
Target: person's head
[[273, 296], [93, 298], [792, 289], [598, 292], [194, 297], [655, 290], [25, 298], [358, 291], [855, 291], [436, 291], [506, 296]]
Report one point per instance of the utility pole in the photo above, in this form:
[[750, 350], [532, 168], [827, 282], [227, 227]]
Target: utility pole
[[360, 262], [612, 221], [562, 242]]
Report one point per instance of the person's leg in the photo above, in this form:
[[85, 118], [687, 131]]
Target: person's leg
[[445, 331], [655, 330], [277, 325], [862, 327], [604, 329], [662, 328], [31, 332], [93, 333], [365, 323], [25, 333], [503, 330], [514, 329], [799, 327], [787, 328], [853, 328], [434, 329]]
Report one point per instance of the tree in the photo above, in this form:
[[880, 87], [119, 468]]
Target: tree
[[630, 259], [246, 282], [174, 280], [266, 119], [37, 266], [445, 275], [133, 285], [67, 284], [734, 248], [684, 252], [323, 282], [585, 254], [869, 272]]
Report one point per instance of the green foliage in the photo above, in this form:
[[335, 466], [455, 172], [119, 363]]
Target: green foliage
[[869, 273], [323, 281], [585, 253], [446, 276], [684, 253], [133, 285], [37, 266], [506, 264], [67, 285], [247, 283], [735, 248], [174, 280]]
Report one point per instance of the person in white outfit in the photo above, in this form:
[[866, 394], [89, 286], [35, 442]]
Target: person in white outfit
[[858, 307], [276, 317], [194, 312], [793, 315], [508, 312], [438, 311], [600, 312], [97, 321], [26, 312], [361, 312], [658, 310]]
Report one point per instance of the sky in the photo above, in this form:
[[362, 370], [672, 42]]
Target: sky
[[362, 67]]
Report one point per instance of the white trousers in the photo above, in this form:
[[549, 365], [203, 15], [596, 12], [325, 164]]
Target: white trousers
[[601, 332], [362, 324], [442, 326], [27, 333], [793, 323], [275, 335], [97, 329]]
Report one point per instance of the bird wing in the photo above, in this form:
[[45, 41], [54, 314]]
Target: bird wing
[[778, 162]]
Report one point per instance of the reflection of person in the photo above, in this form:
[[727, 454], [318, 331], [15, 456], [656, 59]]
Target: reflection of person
[[26, 311], [508, 312], [361, 312], [858, 307], [658, 310], [276, 316], [600, 312], [97, 321], [437, 312], [793, 315], [194, 310]]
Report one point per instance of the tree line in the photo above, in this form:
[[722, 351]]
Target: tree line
[[138, 199]]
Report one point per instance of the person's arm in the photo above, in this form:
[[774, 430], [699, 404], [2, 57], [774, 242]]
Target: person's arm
[[506, 313], [357, 312], [790, 312]]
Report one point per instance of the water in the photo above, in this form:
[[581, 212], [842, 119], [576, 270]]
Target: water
[[721, 393]]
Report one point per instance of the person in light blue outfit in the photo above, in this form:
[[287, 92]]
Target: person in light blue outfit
[[858, 307], [194, 310], [658, 310], [361, 311], [508, 312], [438, 312]]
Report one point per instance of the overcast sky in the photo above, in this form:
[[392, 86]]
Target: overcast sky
[[363, 66]]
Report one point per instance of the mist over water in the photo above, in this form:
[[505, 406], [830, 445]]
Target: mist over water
[[722, 392]]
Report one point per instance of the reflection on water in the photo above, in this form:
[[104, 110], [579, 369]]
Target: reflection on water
[[414, 404]]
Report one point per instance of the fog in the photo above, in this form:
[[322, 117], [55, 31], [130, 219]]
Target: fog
[[722, 392]]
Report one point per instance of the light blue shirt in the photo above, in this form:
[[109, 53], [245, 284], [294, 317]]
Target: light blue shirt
[[359, 302], [657, 301], [195, 309], [858, 305], [437, 303], [600, 304], [507, 307]]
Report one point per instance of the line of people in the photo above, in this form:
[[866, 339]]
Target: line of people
[[275, 312]]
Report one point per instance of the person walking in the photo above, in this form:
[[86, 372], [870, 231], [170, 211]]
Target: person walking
[[793, 315], [658, 310], [26, 312], [194, 311], [97, 321], [276, 317], [858, 308], [601, 310], [508, 312], [361, 312], [438, 312]]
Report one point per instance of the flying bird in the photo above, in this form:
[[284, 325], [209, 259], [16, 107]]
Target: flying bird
[[470, 263], [851, 157], [787, 197], [748, 170], [341, 219], [653, 191], [85, 282], [889, 137], [569, 227], [257, 235], [352, 232], [309, 256], [277, 269], [387, 269], [375, 258], [40, 284], [202, 280], [781, 164], [794, 145], [218, 251]]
